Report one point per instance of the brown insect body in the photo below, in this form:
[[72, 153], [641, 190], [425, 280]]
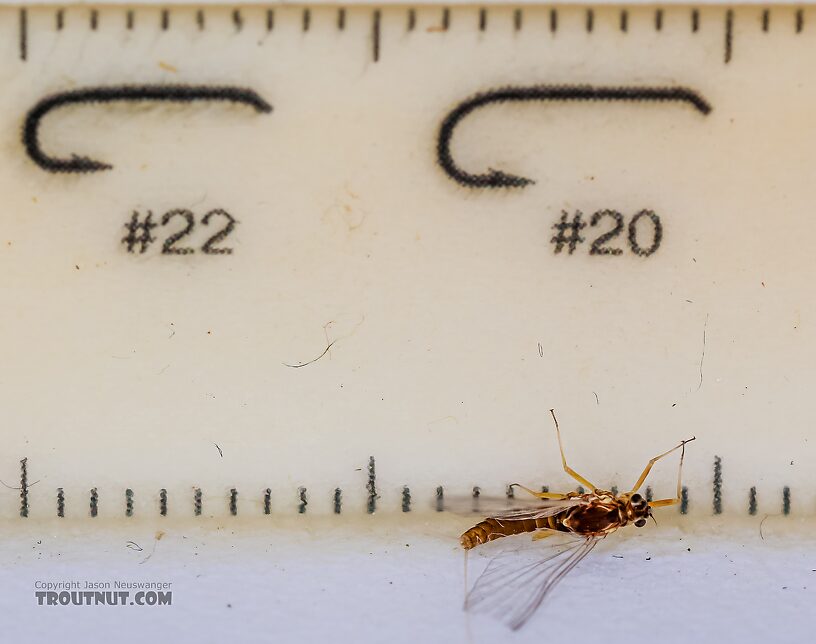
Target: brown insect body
[[512, 589], [593, 514]]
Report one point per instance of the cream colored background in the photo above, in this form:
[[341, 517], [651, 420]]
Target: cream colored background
[[125, 371]]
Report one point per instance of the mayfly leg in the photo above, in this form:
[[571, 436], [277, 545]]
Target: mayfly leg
[[540, 495], [567, 468], [663, 502]]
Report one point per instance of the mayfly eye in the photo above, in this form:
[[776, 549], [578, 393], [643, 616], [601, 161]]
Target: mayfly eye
[[640, 523]]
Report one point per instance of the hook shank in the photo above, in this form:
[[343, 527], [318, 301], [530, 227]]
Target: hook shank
[[122, 93]]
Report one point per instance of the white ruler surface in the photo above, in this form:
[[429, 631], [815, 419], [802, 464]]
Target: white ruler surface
[[245, 250]]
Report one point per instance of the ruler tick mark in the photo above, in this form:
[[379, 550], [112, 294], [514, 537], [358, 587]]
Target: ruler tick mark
[[482, 19], [371, 486], [800, 20], [237, 19], [130, 20], [200, 20], [406, 499], [729, 35], [267, 501], [659, 20], [411, 19], [766, 20], [23, 25], [752, 501], [233, 502], [590, 20], [717, 485], [94, 19], [304, 501], [375, 35], [165, 19], [624, 21], [338, 500], [518, 18], [553, 20], [786, 500], [60, 18], [24, 488], [128, 502], [163, 502], [197, 502], [695, 20], [307, 19], [440, 499], [446, 18], [94, 502], [60, 502], [341, 19]]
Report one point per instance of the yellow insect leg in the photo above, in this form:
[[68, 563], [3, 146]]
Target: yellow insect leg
[[660, 503], [567, 468], [649, 465], [539, 495]]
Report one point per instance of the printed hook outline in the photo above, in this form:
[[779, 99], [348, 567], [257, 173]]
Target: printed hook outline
[[121, 93], [498, 179]]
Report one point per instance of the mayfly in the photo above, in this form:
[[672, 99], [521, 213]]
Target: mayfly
[[512, 586]]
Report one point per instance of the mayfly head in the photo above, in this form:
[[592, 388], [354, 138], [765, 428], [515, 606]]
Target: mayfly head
[[638, 510]]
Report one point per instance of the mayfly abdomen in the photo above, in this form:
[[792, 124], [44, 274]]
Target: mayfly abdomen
[[491, 529]]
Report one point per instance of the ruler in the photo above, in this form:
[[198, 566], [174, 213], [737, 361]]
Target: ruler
[[318, 259]]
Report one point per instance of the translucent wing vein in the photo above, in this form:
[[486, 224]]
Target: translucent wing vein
[[517, 581]]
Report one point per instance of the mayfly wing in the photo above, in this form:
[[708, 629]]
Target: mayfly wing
[[503, 507], [539, 511], [518, 580]]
